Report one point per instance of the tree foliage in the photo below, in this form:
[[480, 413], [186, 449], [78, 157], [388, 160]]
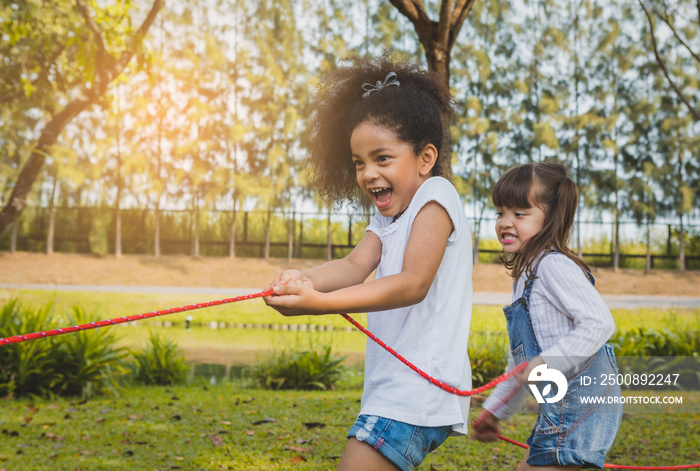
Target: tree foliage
[[211, 115]]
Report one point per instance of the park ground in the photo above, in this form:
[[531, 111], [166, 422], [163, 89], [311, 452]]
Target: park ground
[[254, 273], [228, 426]]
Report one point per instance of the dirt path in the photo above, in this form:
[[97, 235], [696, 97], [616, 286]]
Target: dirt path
[[254, 273]]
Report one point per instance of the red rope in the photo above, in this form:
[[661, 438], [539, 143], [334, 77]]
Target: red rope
[[436, 382], [489, 385], [514, 442], [268, 292], [121, 320]]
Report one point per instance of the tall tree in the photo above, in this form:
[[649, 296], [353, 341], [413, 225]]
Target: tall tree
[[484, 85], [438, 37], [280, 76], [680, 20], [102, 66], [613, 82]]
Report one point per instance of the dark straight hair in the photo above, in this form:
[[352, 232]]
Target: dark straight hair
[[545, 185]]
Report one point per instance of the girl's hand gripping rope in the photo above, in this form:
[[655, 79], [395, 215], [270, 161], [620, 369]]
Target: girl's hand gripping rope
[[486, 427], [295, 298]]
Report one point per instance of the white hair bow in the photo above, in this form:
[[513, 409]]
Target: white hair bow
[[389, 80]]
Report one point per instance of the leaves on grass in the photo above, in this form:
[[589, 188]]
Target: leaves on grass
[[298, 459], [14, 433], [267, 420], [298, 449], [310, 425], [216, 440]]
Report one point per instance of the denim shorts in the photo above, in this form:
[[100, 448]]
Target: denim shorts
[[403, 444]]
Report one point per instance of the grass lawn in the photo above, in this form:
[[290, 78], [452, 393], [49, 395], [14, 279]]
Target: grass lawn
[[227, 427]]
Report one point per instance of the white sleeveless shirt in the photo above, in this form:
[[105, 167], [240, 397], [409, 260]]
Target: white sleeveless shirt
[[432, 334]]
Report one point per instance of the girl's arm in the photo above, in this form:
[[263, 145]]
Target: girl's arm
[[422, 257], [347, 271], [508, 397], [568, 289]]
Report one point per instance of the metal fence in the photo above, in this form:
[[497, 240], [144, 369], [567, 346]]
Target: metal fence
[[306, 235]]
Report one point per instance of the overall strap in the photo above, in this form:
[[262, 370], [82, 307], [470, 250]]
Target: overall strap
[[590, 277]]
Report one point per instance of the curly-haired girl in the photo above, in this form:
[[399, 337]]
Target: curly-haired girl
[[379, 129]]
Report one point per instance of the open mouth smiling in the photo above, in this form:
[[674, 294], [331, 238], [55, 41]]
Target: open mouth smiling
[[381, 196]]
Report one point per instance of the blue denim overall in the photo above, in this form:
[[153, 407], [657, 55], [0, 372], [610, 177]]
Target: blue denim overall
[[572, 430]]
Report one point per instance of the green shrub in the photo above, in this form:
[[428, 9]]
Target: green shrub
[[665, 352], [488, 361], [86, 362], [648, 342], [305, 370], [352, 379], [160, 363], [77, 364], [25, 368]]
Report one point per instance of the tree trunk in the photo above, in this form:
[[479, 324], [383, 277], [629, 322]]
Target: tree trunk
[[195, 241], [329, 238], [616, 255], [300, 244], [437, 38], [29, 172], [232, 235], [52, 219], [267, 233], [118, 228], [647, 268], [681, 247], [290, 236], [13, 241], [156, 235], [477, 238]]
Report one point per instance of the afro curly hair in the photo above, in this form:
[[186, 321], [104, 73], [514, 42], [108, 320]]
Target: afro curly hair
[[418, 112]]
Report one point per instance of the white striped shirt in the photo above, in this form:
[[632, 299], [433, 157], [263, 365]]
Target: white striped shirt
[[570, 320]]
